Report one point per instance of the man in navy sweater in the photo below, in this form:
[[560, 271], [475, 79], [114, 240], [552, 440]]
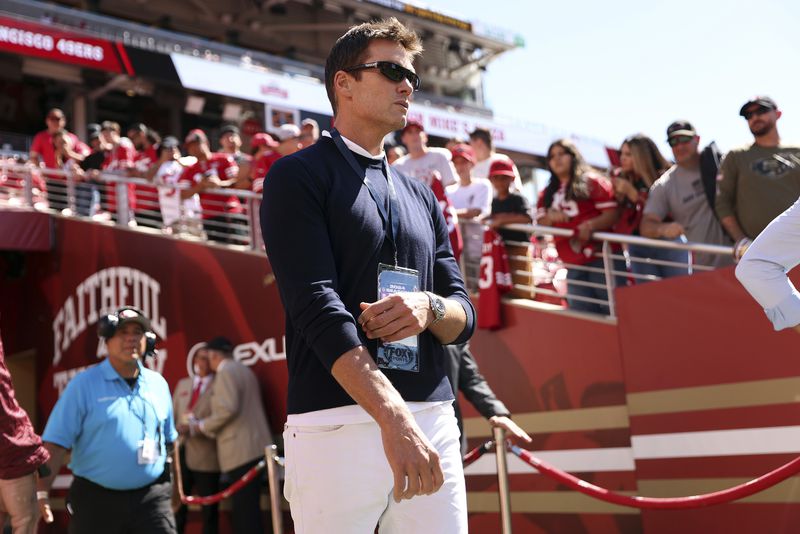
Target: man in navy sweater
[[371, 291]]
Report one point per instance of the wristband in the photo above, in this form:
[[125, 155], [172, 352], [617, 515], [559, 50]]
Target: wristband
[[42, 495]]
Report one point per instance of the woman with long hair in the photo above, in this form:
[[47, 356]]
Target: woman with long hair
[[641, 164], [579, 198]]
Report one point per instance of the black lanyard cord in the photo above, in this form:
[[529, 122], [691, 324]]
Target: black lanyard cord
[[391, 224]]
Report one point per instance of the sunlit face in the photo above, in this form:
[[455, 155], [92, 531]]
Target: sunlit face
[[463, 166], [501, 182], [684, 152], [626, 158], [231, 142], [55, 121], [761, 120], [202, 365], [194, 149], [127, 345], [414, 139], [375, 99], [559, 161]]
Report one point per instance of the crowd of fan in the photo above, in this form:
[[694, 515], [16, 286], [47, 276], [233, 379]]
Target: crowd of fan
[[701, 198], [193, 207]]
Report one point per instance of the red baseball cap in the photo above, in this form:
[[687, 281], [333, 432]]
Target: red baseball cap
[[263, 139], [463, 150], [194, 136], [413, 124], [502, 167]]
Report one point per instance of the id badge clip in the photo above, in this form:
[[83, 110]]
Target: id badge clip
[[400, 355]]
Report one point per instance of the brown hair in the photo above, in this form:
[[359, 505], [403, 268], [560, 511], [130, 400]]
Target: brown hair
[[648, 163], [349, 49]]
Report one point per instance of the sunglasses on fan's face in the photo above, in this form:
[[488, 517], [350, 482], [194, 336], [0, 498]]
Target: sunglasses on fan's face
[[760, 110], [392, 71], [679, 140]]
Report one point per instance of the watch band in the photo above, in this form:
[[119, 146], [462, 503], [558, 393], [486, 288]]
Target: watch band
[[437, 307]]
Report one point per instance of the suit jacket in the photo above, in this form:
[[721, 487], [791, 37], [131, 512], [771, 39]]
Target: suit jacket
[[200, 450], [464, 375], [237, 417]]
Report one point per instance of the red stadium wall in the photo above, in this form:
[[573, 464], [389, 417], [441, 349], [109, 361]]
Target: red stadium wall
[[643, 405]]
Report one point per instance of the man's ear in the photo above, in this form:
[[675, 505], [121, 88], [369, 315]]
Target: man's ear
[[778, 114], [342, 84]]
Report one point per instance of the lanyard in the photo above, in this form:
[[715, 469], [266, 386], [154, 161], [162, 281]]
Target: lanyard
[[391, 225]]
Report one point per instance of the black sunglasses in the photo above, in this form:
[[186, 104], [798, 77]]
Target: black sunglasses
[[679, 140], [392, 71], [760, 110]]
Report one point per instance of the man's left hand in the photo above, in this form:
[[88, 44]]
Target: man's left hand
[[510, 426], [397, 316]]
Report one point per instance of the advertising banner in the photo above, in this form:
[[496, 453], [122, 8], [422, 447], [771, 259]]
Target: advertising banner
[[39, 40], [190, 291]]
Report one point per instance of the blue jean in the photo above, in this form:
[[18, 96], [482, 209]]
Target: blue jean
[[580, 275], [662, 254]]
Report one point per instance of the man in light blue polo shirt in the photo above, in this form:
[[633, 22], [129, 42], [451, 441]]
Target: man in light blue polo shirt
[[116, 418]]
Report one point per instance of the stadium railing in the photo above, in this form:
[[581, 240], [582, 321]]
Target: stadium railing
[[537, 273]]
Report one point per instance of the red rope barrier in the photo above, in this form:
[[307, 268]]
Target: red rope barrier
[[477, 452], [667, 503], [227, 492]]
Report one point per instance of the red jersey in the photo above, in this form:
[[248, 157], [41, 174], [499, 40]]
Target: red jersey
[[146, 195], [120, 158], [43, 145], [261, 168], [223, 166], [493, 281], [449, 215], [601, 198]]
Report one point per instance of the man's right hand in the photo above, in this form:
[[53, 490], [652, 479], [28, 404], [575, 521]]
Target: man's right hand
[[672, 230], [44, 509], [413, 460]]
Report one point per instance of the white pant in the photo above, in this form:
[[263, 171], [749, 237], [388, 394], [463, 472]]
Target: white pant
[[338, 480]]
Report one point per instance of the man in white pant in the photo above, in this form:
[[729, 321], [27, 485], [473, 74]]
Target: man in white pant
[[764, 268], [370, 297]]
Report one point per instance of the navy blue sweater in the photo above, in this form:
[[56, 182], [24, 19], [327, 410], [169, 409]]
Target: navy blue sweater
[[324, 238]]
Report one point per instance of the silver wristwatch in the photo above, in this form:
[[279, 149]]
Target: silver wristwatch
[[437, 307]]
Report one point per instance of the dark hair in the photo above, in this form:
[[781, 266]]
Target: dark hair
[[577, 187], [484, 135], [349, 49]]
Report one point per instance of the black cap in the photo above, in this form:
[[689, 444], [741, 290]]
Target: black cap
[[129, 314], [220, 343], [229, 128], [169, 142], [680, 128], [765, 101], [93, 127]]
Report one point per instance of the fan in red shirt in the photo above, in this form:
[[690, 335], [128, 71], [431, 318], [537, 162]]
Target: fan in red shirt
[[42, 148], [579, 198], [222, 214], [144, 141], [120, 158], [264, 156]]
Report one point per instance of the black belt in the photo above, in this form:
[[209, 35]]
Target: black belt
[[164, 477]]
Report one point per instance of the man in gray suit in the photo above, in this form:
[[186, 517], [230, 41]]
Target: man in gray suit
[[238, 423], [199, 462]]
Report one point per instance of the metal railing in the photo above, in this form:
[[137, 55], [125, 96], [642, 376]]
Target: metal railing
[[224, 216], [230, 217], [539, 274]]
